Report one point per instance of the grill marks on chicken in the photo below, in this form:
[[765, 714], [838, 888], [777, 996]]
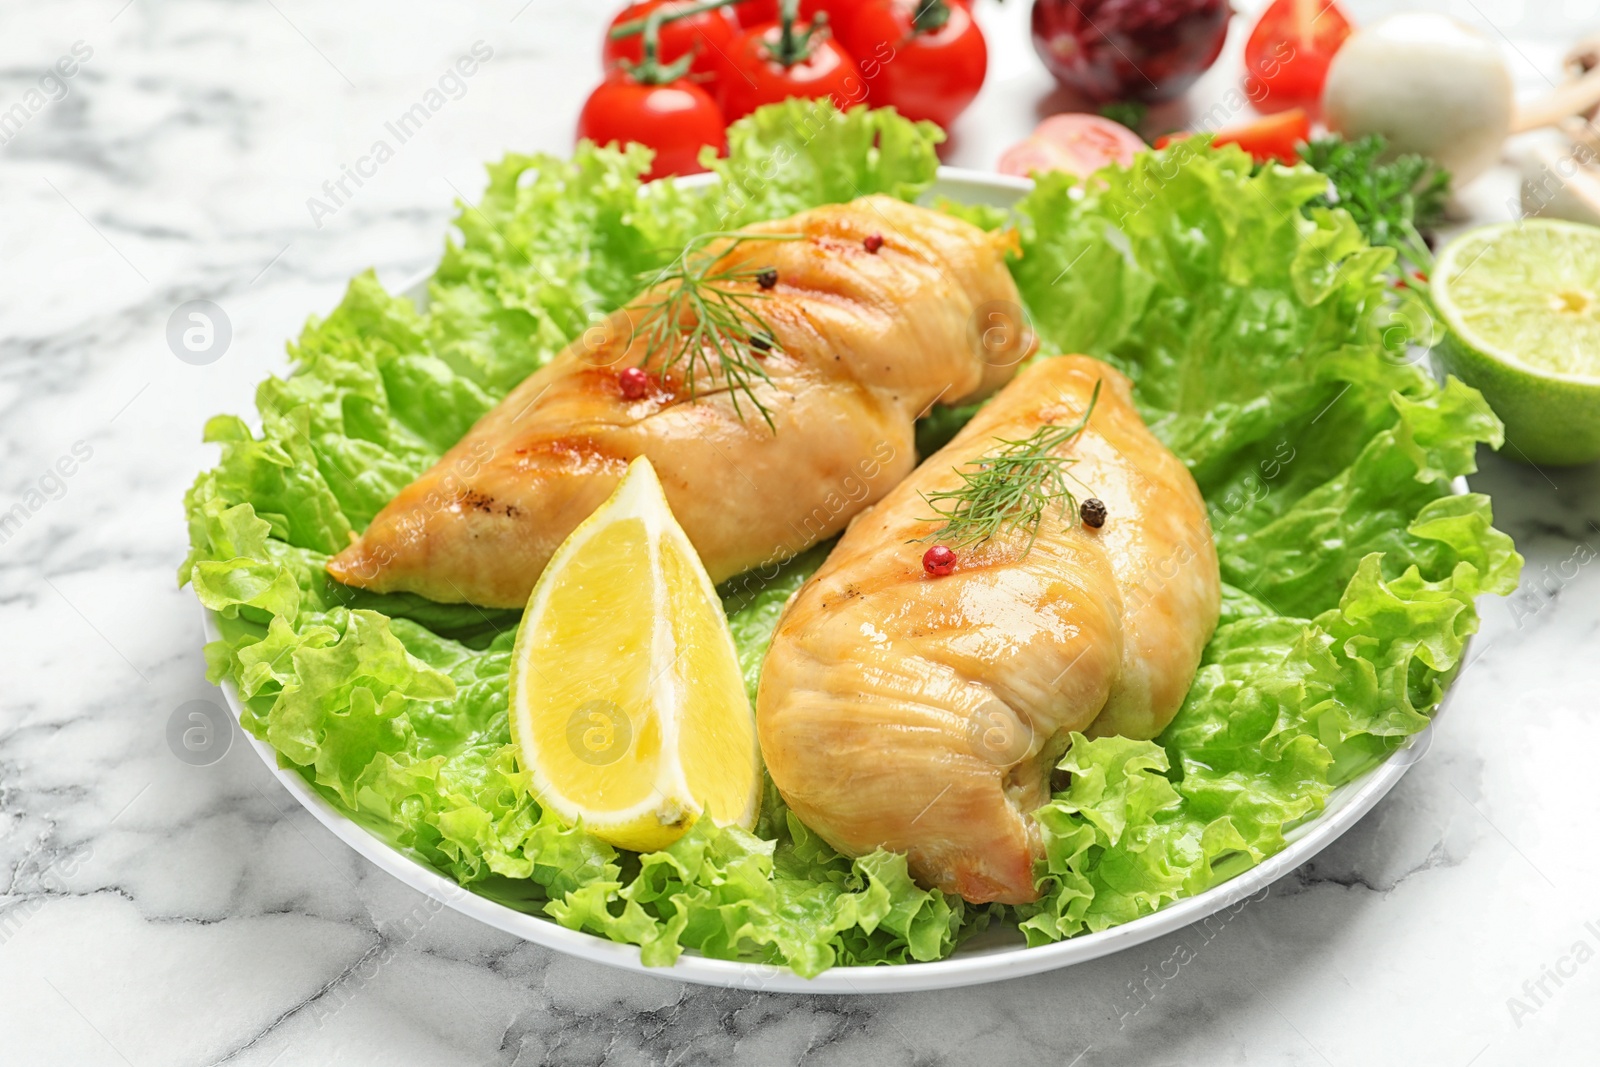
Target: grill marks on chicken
[[925, 714], [867, 341]]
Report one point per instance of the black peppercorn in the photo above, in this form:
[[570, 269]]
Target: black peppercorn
[[760, 342], [767, 278], [1093, 513]]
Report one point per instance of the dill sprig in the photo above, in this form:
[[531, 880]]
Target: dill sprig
[[701, 314], [1009, 488]]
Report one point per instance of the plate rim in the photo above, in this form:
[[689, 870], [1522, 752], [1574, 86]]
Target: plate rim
[[1346, 806]]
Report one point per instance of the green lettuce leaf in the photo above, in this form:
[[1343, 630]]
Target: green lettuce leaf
[[801, 153]]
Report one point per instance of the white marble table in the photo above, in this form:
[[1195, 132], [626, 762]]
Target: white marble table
[[158, 913]]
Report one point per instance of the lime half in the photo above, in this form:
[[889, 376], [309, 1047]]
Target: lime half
[[1522, 303]]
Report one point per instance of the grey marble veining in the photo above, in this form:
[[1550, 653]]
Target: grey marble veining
[[157, 913]]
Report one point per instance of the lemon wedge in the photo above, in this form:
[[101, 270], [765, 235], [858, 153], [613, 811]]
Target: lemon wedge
[[627, 706]]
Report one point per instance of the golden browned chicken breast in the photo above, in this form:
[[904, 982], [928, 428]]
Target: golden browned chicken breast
[[925, 713], [878, 310]]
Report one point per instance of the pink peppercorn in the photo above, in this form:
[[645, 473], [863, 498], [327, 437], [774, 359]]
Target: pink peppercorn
[[634, 382]]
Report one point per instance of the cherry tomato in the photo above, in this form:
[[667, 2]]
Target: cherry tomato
[[754, 13], [1286, 58], [1275, 137], [755, 73], [928, 71], [707, 35], [676, 119], [1077, 144]]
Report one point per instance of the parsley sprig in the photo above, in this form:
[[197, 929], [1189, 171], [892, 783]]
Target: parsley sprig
[[705, 319], [1393, 201], [1010, 488]]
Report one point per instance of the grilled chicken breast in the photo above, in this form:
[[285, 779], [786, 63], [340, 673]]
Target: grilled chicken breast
[[869, 336], [925, 714]]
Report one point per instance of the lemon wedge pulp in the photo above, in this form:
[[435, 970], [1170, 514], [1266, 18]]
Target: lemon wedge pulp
[[627, 705]]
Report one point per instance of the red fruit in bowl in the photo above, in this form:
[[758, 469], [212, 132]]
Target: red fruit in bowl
[[1129, 49]]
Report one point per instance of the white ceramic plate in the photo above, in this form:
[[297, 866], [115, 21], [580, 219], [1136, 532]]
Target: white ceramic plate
[[992, 957]]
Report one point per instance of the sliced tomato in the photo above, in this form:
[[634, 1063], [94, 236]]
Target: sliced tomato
[[1276, 137], [707, 34], [1077, 144], [677, 120], [1287, 54]]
